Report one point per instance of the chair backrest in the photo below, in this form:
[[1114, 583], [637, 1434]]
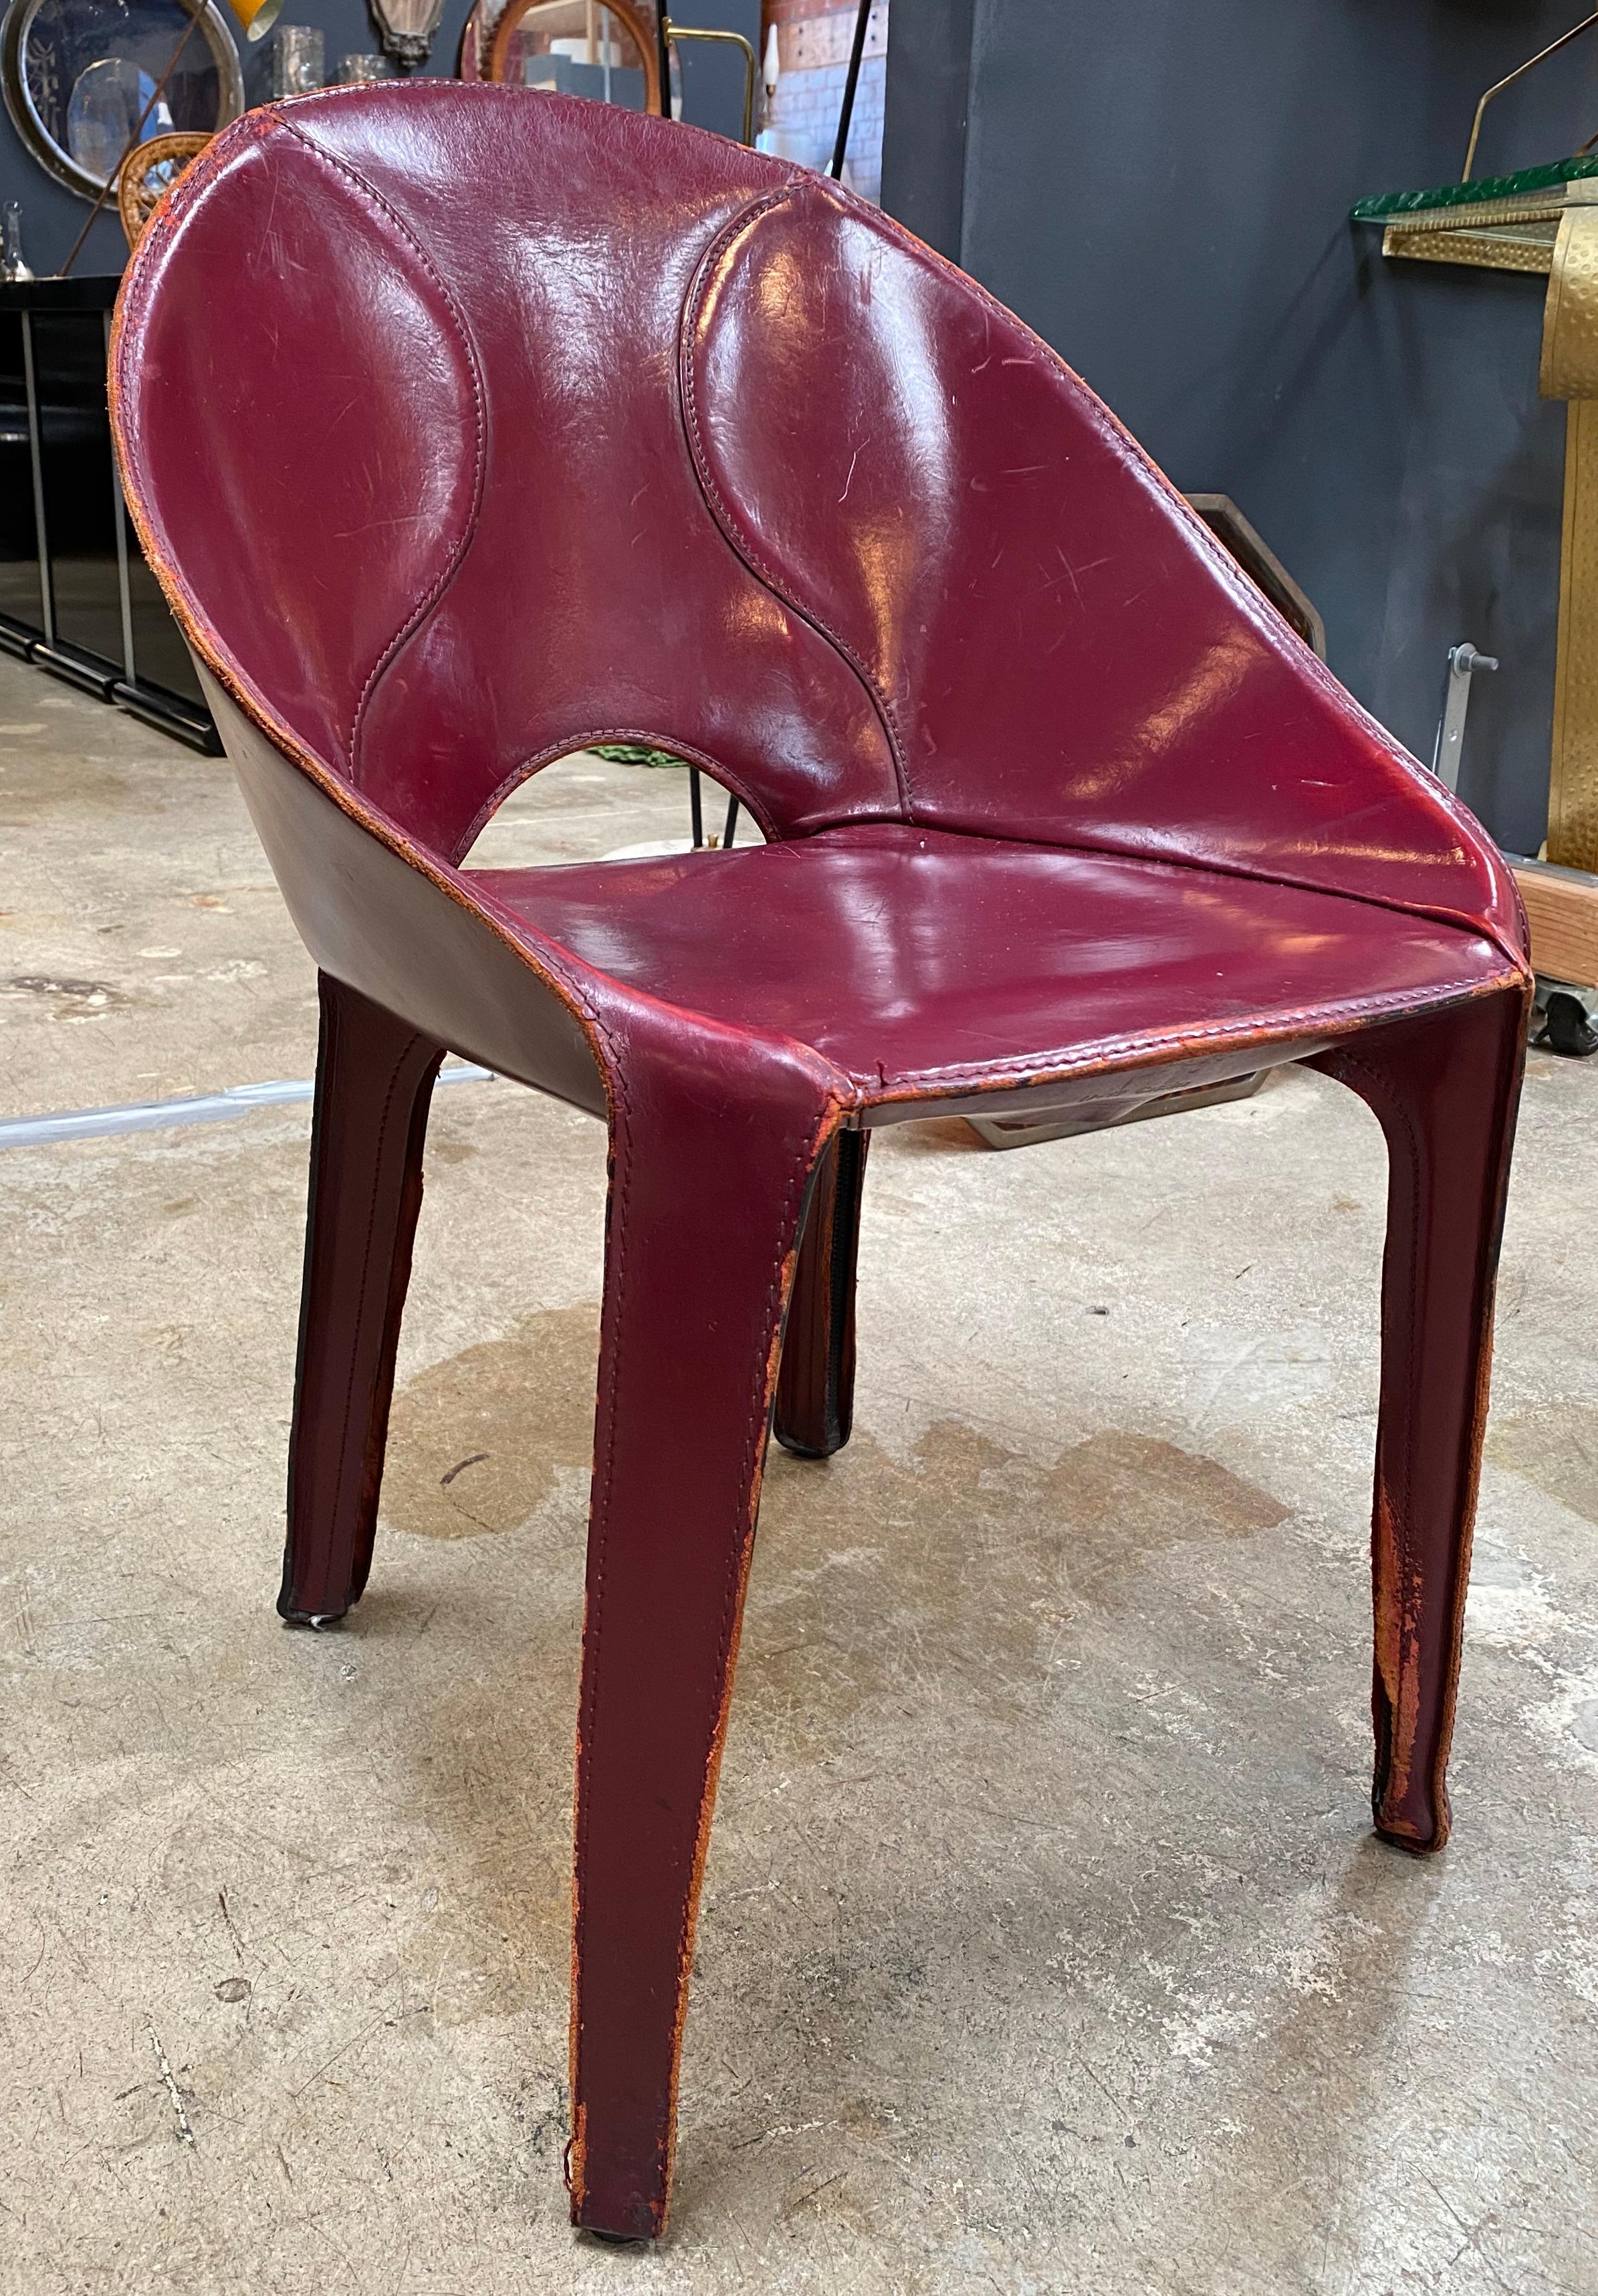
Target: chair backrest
[[467, 425]]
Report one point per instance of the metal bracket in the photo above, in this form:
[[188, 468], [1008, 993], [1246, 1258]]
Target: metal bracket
[[1464, 662], [672, 34]]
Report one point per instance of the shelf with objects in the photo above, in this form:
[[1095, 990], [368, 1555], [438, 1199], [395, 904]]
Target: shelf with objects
[[1541, 221]]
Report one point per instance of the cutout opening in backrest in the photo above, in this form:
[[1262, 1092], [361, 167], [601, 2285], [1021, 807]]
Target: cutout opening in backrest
[[617, 802]]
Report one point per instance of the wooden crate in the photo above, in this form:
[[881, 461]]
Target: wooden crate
[[1562, 908]]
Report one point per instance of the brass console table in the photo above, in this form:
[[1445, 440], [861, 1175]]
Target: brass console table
[[1545, 220]]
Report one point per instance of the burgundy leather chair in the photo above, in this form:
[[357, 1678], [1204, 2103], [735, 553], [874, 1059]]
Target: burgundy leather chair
[[465, 427]]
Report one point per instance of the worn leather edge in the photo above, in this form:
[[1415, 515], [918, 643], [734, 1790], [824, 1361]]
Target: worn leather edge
[[375, 922], [646, 737], [1120, 1056], [1391, 1109]]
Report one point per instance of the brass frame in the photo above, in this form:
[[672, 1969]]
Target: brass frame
[[676, 33], [641, 32]]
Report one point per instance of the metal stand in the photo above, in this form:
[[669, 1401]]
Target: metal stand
[[1564, 1012], [1567, 1013], [846, 111], [1065, 1124]]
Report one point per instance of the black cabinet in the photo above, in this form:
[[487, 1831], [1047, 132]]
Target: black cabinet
[[75, 596]]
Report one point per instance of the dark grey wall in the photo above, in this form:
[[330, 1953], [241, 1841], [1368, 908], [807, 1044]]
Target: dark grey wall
[[1162, 190], [52, 216]]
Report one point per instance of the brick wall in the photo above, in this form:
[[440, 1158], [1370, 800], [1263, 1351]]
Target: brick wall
[[814, 38]]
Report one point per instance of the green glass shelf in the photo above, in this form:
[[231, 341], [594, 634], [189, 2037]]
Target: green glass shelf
[[1528, 182]]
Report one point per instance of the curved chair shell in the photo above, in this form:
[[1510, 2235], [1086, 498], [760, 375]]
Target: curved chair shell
[[465, 427]]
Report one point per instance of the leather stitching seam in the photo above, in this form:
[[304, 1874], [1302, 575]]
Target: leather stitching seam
[[430, 598], [721, 510], [1083, 1056], [621, 1119], [760, 1395]]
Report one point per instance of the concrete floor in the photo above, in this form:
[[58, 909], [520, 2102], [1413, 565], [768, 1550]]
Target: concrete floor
[[1045, 1946]]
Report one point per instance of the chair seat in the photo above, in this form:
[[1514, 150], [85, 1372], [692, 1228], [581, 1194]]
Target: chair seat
[[913, 958]]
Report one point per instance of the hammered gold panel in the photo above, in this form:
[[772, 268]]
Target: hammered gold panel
[[1570, 365], [1573, 789], [1570, 371], [1527, 248], [1523, 241]]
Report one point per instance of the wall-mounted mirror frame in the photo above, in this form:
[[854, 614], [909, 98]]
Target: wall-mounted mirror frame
[[21, 29], [487, 44]]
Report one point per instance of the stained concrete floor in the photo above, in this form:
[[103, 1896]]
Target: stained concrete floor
[[1045, 1945]]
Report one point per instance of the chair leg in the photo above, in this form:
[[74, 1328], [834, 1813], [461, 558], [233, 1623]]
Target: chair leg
[[815, 1386], [1445, 1091], [696, 1280], [375, 1081]]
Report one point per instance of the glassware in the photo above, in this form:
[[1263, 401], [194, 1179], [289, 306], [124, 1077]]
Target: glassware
[[298, 60], [360, 71], [107, 105], [11, 263]]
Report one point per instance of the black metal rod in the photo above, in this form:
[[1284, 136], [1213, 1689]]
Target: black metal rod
[[132, 144], [35, 450], [727, 834], [663, 50], [696, 812], [847, 115]]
